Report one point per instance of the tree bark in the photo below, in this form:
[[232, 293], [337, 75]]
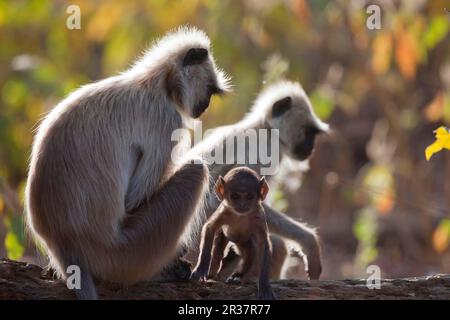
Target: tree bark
[[19, 280]]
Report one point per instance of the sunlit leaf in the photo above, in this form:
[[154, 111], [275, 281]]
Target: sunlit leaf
[[278, 200], [441, 236], [436, 31], [301, 10], [442, 142], [365, 229], [2, 204], [14, 93], [13, 246], [379, 184], [322, 103], [406, 53], [381, 52], [104, 20], [447, 107], [435, 109]]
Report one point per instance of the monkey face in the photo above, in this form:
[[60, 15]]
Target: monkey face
[[304, 146], [242, 190], [242, 202], [298, 126], [200, 79]]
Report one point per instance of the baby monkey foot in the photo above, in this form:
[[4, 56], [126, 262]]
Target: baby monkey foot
[[235, 278]]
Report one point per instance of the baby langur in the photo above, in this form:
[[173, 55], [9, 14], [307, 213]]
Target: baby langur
[[240, 218]]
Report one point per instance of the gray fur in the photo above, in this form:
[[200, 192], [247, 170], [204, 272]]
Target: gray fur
[[291, 127], [102, 189]]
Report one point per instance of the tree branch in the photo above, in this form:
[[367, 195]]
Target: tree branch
[[19, 280]]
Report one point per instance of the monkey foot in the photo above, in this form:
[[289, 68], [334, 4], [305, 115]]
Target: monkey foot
[[234, 280], [180, 270]]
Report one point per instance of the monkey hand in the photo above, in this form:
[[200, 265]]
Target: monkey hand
[[313, 265], [199, 274], [233, 279]]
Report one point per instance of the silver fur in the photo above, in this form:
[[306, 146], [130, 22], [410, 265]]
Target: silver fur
[[102, 190], [291, 130]]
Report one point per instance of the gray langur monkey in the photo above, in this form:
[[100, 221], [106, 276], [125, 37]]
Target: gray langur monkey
[[286, 107], [103, 192]]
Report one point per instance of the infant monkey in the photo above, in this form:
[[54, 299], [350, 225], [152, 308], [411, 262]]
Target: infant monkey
[[241, 219]]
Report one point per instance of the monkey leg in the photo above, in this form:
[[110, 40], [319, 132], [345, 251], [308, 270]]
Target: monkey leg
[[243, 270], [279, 255], [229, 262], [287, 227], [178, 270], [219, 245], [263, 260], [151, 234]]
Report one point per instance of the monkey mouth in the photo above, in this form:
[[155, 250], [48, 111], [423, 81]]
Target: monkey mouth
[[200, 107], [302, 152], [242, 211]]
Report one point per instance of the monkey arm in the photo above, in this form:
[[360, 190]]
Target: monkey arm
[[264, 257], [158, 225], [219, 245], [287, 227], [279, 255], [206, 243]]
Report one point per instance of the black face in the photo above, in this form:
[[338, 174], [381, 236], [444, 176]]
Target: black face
[[303, 149], [203, 104]]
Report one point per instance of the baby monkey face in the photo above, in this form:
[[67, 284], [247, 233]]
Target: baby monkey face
[[242, 201], [242, 190]]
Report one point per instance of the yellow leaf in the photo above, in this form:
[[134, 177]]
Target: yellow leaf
[[441, 236], [2, 205], [302, 11], [385, 202], [380, 183], [381, 52], [435, 109], [406, 53], [442, 142], [13, 246], [103, 21]]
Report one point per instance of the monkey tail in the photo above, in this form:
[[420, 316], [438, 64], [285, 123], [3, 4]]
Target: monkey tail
[[86, 289]]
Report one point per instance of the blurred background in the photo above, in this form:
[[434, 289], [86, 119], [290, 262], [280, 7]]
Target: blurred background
[[369, 190]]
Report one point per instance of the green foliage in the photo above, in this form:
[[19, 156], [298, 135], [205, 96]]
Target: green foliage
[[278, 200], [14, 240], [436, 31], [348, 71], [365, 229], [323, 105]]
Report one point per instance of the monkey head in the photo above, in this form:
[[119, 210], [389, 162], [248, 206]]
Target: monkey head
[[289, 110], [241, 190], [192, 76], [201, 80]]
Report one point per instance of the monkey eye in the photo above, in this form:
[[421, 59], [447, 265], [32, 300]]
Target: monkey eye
[[249, 196], [234, 196]]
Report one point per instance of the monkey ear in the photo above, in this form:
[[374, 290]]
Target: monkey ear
[[220, 188], [263, 189], [195, 56], [281, 106]]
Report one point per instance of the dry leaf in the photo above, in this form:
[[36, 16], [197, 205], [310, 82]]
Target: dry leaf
[[441, 236], [406, 53], [381, 53], [434, 111]]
